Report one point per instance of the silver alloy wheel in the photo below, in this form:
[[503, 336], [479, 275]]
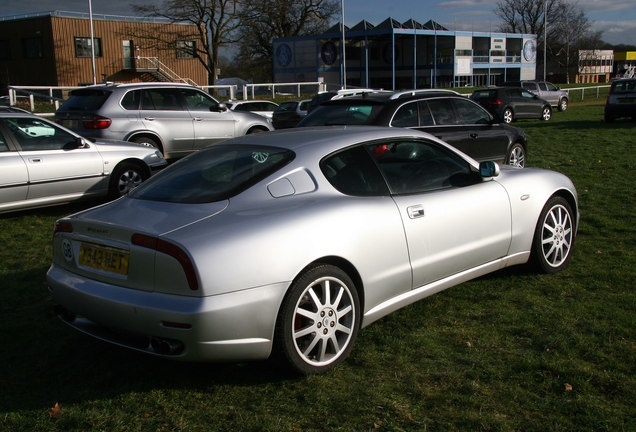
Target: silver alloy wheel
[[563, 104], [507, 115], [323, 321], [517, 156], [556, 236], [128, 180], [547, 113]]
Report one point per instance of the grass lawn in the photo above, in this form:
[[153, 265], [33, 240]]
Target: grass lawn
[[510, 351]]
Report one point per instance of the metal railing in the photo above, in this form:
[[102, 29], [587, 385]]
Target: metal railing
[[319, 86], [583, 89], [156, 64]]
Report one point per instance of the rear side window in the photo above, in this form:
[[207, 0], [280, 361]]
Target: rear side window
[[131, 100], [442, 110], [86, 100], [213, 174], [484, 95]]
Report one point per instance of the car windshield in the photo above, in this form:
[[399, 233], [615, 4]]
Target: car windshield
[[342, 114], [86, 100], [213, 174]]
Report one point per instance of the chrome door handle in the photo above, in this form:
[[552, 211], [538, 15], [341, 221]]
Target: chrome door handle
[[415, 211], [35, 160], [149, 118]]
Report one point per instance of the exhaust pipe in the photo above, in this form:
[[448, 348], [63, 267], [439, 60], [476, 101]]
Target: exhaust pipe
[[166, 346]]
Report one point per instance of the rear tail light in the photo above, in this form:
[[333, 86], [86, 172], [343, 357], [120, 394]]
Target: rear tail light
[[495, 102], [62, 227], [172, 250], [97, 122]]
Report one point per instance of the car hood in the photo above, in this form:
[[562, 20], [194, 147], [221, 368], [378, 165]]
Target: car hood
[[158, 217]]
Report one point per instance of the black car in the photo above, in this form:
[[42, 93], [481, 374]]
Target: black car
[[513, 103], [289, 113], [446, 114], [621, 100]]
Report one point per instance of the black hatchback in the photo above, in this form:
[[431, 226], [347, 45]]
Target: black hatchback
[[447, 115], [513, 103]]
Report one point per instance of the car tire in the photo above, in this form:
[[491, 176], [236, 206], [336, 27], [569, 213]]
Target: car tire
[[508, 116], [546, 113], [125, 177], [563, 104], [554, 236], [318, 320], [517, 156], [147, 141]]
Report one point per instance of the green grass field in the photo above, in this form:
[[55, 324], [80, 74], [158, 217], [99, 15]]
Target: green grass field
[[512, 351]]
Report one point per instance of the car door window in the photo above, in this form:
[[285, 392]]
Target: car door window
[[414, 166], [34, 134], [353, 172], [406, 116], [443, 112], [551, 87], [161, 100], [471, 113], [3, 145], [542, 87], [426, 118], [196, 100], [526, 94]]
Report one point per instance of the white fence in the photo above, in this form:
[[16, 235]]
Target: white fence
[[56, 95]]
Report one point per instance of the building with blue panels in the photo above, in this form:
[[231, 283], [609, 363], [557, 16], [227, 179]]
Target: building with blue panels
[[407, 55]]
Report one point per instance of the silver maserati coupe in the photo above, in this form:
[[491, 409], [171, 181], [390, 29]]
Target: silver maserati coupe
[[291, 241]]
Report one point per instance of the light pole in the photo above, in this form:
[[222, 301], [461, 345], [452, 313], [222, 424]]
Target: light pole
[[90, 18], [545, 38], [344, 48]]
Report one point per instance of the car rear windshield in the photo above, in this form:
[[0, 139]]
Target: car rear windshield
[[86, 100], [342, 114], [484, 94], [624, 86], [213, 174]]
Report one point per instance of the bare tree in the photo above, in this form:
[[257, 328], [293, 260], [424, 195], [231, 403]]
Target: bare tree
[[567, 25], [269, 19], [214, 26]]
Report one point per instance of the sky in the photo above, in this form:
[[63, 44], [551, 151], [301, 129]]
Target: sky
[[615, 18]]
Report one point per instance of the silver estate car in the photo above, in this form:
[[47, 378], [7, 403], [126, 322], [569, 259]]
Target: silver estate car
[[294, 240], [42, 163], [175, 118]]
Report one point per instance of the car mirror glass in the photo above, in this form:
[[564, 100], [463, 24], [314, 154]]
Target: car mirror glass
[[488, 169]]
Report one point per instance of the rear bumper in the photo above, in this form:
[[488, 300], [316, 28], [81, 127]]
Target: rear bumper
[[233, 326]]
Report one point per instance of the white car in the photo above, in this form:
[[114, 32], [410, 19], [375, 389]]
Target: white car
[[42, 163], [260, 107]]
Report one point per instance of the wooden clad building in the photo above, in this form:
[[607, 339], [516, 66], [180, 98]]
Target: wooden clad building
[[55, 49]]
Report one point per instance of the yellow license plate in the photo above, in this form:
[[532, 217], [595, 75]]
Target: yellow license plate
[[105, 259]]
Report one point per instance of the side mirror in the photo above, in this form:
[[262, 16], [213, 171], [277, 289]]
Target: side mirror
[[488, 169], [221, 107], [75, 144]]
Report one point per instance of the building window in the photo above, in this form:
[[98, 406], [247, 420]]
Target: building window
[[186, 49], [5, 50], [83, 46], [32, 48]]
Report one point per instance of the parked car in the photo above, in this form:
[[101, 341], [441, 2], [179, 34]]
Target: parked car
[[545, 90], [13, 109], [446, 114], [513, 103], [621, 100], [289, 113], [177, 119], [261, 107], [42, 163], [292, 241]]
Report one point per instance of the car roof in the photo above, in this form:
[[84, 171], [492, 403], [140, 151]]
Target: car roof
[[381, 97], [323, 140]]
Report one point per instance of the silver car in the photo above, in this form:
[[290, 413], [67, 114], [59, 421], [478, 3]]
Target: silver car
[[177, 119], [294, 240], [42, 163], [261, 107]]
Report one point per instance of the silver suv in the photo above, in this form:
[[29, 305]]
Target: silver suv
[[177, 119], [545, 90]]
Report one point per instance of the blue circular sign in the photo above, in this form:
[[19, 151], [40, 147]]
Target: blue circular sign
[[529, 50], [283, 55], [329, 53]]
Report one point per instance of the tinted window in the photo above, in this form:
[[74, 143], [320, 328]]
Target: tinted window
[[353, 172], [551, 87], [623, 86], [526, 94], [426, 118], [161, 99], [35, 134], [471, 113], [213, 174], [358, 113], [484, 95], [3, 145], [442, 110], [198, 101], [86, 100], [420, 166], [287, 107], [542, 86], [406, 116], [131, 100]]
